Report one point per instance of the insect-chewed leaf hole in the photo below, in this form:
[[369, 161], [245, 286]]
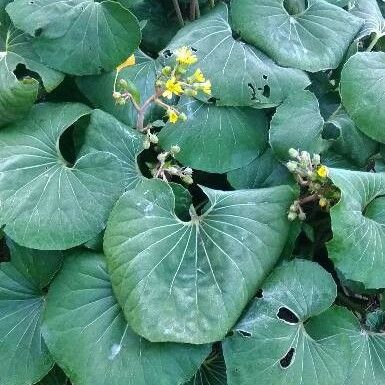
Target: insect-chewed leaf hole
[[286, 361], [244, 333], [287, 315]]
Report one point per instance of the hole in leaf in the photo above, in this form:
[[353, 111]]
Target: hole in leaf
[[236, 35], [266, 91], [194, 49], [287, 315], [212, 100], [167, 53], [287, 359], [22, 72], [243, 333], [265, 77], [253, 92], [38, 32], [294, 7], [259, 294]]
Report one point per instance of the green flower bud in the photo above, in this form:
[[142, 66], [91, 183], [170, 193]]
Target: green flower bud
[[182, 116], [188, 171], [175, 149], [292, 166], [190, 92], [153, 138], [116, 95], [146, 144], [316, 159], [162, 156], [187, 179], [166, 71], [293, 153], [292, 216], [173, 170]]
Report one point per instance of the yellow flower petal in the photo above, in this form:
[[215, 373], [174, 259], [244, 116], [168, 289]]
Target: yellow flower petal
[[323, 171], [127, 63], [198, 76], [184, 55], [172, 115]]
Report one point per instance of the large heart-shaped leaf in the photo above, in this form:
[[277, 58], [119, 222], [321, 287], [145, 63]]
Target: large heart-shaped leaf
[[367, 364], [24, 356], [358, 224], [87, 334], [216, 139], [371, 13], [45, 202], [313, 38], [98, 89], [297, 124], [264, 171], [362, 92], [272, 342], [349, 147], [105, 133], [240, 74], [79, 37], [18, 95], [189, 281]]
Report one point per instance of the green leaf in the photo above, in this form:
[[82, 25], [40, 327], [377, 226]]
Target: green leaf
[[362, 89], [216, 139], [189, 281], [212, 371], [272, 341], [17, 95], [351, 147], [98, 89], [264, 171], [368, 359], [315, 39], [79, 37], [358, 227], [24, 356], [369, 11], [240, 74], [87, 334], [297, 124], [46, 203], [105, 133]]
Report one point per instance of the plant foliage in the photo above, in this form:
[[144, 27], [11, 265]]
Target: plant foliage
[[192, 192]]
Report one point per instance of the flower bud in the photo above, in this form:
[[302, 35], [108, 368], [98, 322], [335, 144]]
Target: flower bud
[[182, 116], [292, 166], [116, 95], [187, 179], [316, 159], [172, 170], [301, 216], [190, 92], [166, 71], [146, 144], [175, 149], [293, 153], [153, 138], [292, 216], [162, 156], [323, 202], [188, 171]]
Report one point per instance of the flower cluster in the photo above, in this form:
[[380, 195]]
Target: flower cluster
[[174, 82], [166, 167], [313, 177]]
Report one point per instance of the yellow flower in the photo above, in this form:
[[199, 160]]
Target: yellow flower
[[172, 115], [323, 202], [198, 76], [127, 63], [185, 56], [206, 87], [323, 171], [172, 87]]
